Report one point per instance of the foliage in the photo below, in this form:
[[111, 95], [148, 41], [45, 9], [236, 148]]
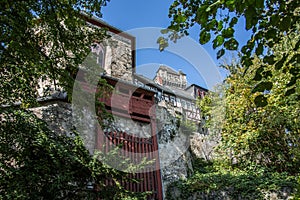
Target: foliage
[[37, 163], [269, 20], [47, 40], [43, 40], [212, 181], [256, 133], [260, 135], [186, 126], [297, 194], [256, 112]]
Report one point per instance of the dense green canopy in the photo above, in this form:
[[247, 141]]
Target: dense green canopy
[[46, 39], [269, 21], [42, 39]]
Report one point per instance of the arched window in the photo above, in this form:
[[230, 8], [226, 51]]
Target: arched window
[[99, 52]]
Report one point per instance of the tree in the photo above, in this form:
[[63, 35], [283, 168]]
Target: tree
[[37, 163], [269, 21], [43, 39], [266, 135], [46, 40]]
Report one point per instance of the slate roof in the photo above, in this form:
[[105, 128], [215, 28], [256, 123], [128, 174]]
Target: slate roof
[[197, 86], [183, 94], [125, 82], [150, 82]]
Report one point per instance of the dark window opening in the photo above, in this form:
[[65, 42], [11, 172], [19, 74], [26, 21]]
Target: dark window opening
[[124, 90], [148, 97], [136, 94]]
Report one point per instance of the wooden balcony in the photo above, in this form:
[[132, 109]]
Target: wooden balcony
[[130, 100]]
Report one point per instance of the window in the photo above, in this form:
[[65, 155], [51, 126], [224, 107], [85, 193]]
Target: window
[[183, 104], [147, 97], [166, 98], [188, 105], [136, 94], [193, 106], [172, 99], [123, 90], [99, 53]]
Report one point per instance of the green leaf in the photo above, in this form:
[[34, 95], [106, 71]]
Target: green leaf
[[204, 37], [164, 31], [292, 81], [258, 72], [271, 34], [281, 62], [257, 77], [245, 49], [297, 45], [290, 92], [229, 2], [228, 33], [285, 23], [218, 41], [250, 13], [259, 49], [259, 4], [220, 25], [262, 86], [247, 62], [274, 20], [269, 59], [213, 24], [295, 70], [295, 59], [261, 101], [267, 74], [220, 53], [202, 16], [180, 19], [231, 44], [233, 21], [162, 42]]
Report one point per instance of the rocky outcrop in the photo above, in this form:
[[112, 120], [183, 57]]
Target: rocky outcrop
[[174, 145], [60, 118]]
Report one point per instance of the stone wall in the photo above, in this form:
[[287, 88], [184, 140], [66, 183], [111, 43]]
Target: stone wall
[[57, 114], [118, 57], [135, 128], [174, 144], [60, 118]]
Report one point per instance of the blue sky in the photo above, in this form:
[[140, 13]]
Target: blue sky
[[133, 14]]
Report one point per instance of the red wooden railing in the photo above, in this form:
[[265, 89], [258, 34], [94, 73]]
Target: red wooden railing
[[136, 149]]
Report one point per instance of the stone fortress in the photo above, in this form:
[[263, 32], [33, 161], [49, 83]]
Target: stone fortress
[[158, 109]]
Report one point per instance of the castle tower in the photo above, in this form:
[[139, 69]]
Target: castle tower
[[166, 76]]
